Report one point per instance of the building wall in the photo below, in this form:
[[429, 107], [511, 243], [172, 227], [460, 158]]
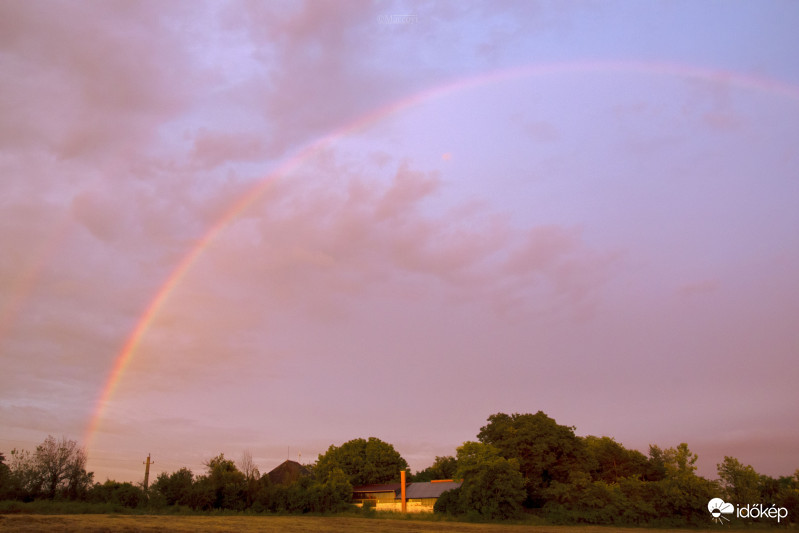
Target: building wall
[[421, 505]]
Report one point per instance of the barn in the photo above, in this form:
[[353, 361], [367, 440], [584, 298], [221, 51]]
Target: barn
[[420, 497]]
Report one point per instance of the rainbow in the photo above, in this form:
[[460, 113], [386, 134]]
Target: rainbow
[[658, 69]]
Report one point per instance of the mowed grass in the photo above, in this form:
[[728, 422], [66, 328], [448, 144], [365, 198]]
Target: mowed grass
[[151, 523]]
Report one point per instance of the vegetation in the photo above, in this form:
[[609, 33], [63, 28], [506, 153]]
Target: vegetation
[[442, 468], [56, 469], [492, 489], [362, 461], [523, 467]]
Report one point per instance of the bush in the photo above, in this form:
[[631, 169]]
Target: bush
[[448, 502], [114, 492]]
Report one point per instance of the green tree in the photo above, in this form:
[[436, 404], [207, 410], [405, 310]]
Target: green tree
[[546, 451], [449, 503], [583, 500], [685, 494], [787, 495], [251, 477], [202, 496], [26, 481], [656, 464], [125, 494], [609, 461], [174, 488], [362, 461], [493, 487], [5, 479], [740, 483], [62, 466], [226, 484], [333, 495], [442, 468], [56, 468]]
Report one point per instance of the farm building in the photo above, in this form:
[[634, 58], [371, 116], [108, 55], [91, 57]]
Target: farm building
[[420, 497], [287, 473]]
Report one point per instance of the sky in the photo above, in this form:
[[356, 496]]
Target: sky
[[279, 226]]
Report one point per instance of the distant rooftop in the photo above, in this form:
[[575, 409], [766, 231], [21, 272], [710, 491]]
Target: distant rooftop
[[287, 473]]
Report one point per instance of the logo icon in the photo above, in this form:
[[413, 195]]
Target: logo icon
[[718, 508]]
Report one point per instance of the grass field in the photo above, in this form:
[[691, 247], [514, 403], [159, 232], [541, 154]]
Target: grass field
[[291, 524]]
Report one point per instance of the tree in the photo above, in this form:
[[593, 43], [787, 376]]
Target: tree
[[656, 464], [61, 465], [493, 487], [26, 482], [546, 451], [175, 488], [609, 461], [442, 468], [224, 484], [125, 494], [56, 468], [334, 494], [251, 476], [362, 461], [739, 482], [684, 492], [5, 478]]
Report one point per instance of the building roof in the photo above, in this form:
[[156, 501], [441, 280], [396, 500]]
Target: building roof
[[416, 489], [287, 473], [377, 487], [428, 489]]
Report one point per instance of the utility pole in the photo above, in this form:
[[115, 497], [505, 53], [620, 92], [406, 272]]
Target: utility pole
[[147, 472]]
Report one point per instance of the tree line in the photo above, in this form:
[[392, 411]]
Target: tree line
[[536, 465], [520, 464]]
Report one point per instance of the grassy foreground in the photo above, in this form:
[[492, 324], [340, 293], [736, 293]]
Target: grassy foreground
[[153, 523]]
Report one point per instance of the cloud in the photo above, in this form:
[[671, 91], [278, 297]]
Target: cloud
[[86, 98], [212, 149], [97, 215]]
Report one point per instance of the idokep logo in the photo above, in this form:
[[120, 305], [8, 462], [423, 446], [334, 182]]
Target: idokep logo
[[718, 508]]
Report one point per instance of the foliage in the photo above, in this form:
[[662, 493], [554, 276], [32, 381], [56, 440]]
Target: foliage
[[656, 464], [25, 481], [114, 492], [521, 458], [609, 461], [62, 466], [174, 488], [679, 498], [56, 469], [362, 461], [492, 489], [224, 487], [6, 490], [449, 503], [740, 483], [251, 477], [442, 468], [546, 450]]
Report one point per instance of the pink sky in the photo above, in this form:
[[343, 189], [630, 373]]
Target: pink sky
[[398, 229]]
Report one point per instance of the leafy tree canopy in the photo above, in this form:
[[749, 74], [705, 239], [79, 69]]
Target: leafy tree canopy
[[609, 461], [741, 483], [546, 450], [442, 468], [493, 487], [362, 461]]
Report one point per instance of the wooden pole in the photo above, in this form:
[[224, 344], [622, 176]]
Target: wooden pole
[[147, 473]]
